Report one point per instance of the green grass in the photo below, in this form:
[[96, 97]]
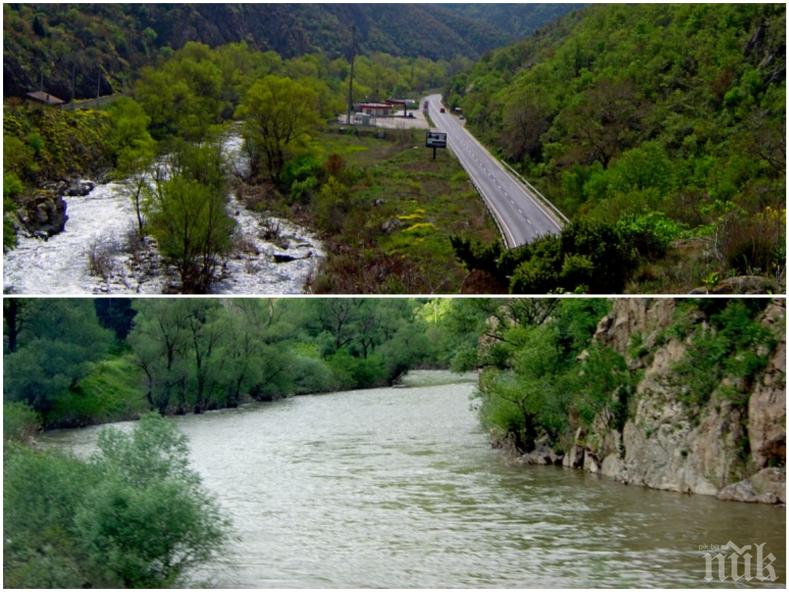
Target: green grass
[[112, 391], [395, 179]]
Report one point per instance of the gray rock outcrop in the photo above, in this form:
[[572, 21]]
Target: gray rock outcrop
[[722, 448], [43, 214]]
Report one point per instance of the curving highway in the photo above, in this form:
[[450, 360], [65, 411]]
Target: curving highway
[[517, 210]]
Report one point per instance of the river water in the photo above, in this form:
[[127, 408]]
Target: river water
[[105, 216], [398, 487]]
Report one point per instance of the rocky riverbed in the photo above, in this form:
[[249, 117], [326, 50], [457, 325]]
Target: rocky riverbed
[[87, 245]]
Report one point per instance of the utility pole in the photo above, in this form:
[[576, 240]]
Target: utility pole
[[350, 81]]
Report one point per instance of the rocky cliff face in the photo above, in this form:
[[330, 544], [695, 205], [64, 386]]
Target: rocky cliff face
[[731, 447]]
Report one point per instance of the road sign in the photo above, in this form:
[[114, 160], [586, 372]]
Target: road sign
[[436, 140]]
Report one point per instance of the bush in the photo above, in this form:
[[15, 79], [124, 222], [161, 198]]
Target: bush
[[12, 188], [586, 257], [20, 422], [649, 234], [135, 515], [753, 244], [101, 255], [734, 345]]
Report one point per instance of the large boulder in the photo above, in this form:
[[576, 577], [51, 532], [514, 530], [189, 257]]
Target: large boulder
[[79, 188], [542, 455], [42, 214], [768, 486]]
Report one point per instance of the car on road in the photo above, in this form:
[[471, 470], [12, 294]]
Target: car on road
[[443, 110]]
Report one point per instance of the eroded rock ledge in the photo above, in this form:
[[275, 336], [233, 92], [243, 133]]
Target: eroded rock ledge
[[735, 452]]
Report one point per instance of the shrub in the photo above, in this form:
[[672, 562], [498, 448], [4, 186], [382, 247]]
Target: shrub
[[735, 345], [20, 422], [649, 234], [752, 244], [12, 188], [135, 515], [101, 256]]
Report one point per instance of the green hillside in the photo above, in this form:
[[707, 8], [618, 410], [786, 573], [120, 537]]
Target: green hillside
[[670, 117], [70, 44]]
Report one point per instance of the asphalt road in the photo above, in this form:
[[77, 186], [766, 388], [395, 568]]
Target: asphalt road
[[519, 214]]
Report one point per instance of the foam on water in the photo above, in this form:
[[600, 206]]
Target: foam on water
[[106, 215]]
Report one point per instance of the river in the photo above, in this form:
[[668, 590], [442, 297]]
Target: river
[[105, 216], [398, 487]]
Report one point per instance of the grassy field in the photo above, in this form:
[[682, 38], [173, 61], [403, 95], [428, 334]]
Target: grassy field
[[401, 210]]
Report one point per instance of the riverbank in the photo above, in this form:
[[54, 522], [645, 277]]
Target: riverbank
[[113, 392], [702, 408], [384, 210]]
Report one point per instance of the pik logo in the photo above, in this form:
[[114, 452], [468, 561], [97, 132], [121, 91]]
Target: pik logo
[[734, 564]]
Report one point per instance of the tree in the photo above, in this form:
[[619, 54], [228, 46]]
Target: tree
[[134, 150], [116, 314], [252, 364], [159, 341], [55, 348], [135, 515], [526, 118], [187, 215], [206, 328], [278, 114], [603, 121], [182, 348], [13, 321], [183, 96]]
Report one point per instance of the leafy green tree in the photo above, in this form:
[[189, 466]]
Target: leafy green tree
[[256, 363], [159, 341], [183, 97], [187, 215], [206, 331], [57, 344], [279, 113], [136, 515], [542, 367], [134, 150]]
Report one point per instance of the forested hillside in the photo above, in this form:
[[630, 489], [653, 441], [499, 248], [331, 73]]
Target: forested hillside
[[70, 44], [669, 118]]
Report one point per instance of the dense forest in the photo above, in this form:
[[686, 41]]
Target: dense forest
[[70, 45], [668, 120]]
